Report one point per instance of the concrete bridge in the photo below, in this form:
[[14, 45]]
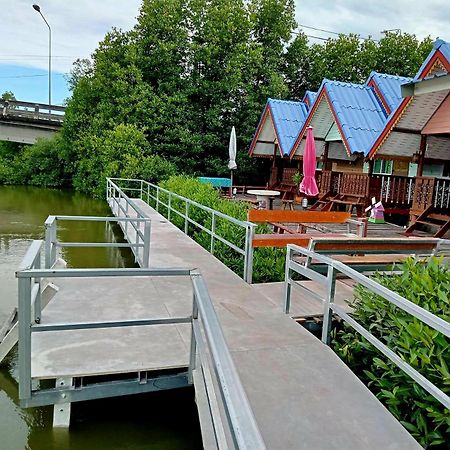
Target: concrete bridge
[[25, 122]]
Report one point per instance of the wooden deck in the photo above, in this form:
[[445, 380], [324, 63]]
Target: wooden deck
[[302, 395]]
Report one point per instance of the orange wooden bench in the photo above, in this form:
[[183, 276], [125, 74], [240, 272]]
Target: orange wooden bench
[[303, 218]]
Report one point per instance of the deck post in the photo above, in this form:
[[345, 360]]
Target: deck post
[[327, 311], [61, 411]]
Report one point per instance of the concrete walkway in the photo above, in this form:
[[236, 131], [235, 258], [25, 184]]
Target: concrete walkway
[[303, 396]]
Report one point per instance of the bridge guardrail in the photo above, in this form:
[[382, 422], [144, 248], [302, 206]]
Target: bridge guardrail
[[32, 111], [329, 283]]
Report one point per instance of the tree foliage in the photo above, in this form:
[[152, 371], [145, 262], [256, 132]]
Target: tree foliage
[[191, 69]]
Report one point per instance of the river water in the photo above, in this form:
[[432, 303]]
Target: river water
[[161, 421]]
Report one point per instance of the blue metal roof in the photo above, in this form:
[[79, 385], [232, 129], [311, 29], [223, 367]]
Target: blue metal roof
[[359, 113], [443, 47], [309, 98], [288, 119], [389, 87]]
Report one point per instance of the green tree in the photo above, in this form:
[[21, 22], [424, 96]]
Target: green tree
[[8, 96]]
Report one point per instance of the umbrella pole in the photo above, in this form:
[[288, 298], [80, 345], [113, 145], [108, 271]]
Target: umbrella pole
[[231, 186]]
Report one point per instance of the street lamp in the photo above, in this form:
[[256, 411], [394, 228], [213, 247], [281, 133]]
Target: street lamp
[[38, 9]]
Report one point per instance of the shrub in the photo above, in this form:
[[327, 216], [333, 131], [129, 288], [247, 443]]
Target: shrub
[[428, 351], [268, 263]]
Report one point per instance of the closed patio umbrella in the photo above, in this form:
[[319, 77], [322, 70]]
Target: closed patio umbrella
[[308, 185], [232, 156]]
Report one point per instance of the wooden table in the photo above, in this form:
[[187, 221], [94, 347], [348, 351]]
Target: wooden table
[[264, 195]]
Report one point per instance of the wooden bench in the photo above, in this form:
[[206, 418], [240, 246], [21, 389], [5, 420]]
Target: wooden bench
[[373, 254], [278, 218]]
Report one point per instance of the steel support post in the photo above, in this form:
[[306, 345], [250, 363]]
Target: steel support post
[[148, 194], [157, 198], [142, 189], [329, 299], [61, 411], [24, 338]]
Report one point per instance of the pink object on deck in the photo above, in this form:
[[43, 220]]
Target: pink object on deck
[[308, 185]]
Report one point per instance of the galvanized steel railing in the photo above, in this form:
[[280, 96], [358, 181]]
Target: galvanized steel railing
[[329, 283], [210, 360], [147, 191], [140, 246]]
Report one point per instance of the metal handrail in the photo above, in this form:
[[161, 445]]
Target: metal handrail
[[144, 192], [329, 282], [142, 239], [206, 355]]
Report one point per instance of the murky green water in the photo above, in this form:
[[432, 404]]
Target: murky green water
[[166, 420]]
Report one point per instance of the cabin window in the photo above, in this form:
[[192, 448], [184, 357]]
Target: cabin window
[[383, 166], [319, 165]]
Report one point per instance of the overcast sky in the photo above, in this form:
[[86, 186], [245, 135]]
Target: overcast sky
[[79, 25]]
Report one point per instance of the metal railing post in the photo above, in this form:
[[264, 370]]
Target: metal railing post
[[147, 234], [126, 215], [24, 338], [48, 245], [327, 311], [287, 282], [213, 232], [142, 189], [248, 257], [157, 198], [148, 194], [193, 350], [37, 301], [169, 203], [186, 218]]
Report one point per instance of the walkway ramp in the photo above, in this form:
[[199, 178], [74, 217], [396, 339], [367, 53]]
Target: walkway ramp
[[302, 395]]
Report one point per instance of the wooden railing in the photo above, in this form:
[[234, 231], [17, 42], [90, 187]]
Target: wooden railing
[[393, 190]]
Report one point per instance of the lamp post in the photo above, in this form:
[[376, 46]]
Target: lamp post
[[38, 9]]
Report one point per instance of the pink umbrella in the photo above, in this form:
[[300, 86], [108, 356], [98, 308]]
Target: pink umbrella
[[308, 185]]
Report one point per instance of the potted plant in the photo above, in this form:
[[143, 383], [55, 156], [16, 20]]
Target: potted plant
[[297, 179]]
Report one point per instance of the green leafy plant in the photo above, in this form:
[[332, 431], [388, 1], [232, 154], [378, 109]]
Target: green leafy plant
[[428, 351], [297, 178], [268, 263]]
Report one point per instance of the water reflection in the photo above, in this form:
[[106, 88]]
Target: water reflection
[[156, 421]]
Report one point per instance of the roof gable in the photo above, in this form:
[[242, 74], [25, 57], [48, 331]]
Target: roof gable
[[356, 110], [287, 118], [438, 61], [388, 89], [309, 98]]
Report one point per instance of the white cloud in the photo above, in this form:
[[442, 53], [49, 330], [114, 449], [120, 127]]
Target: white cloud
[[370, 17], [77, 28], [78, 25]]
